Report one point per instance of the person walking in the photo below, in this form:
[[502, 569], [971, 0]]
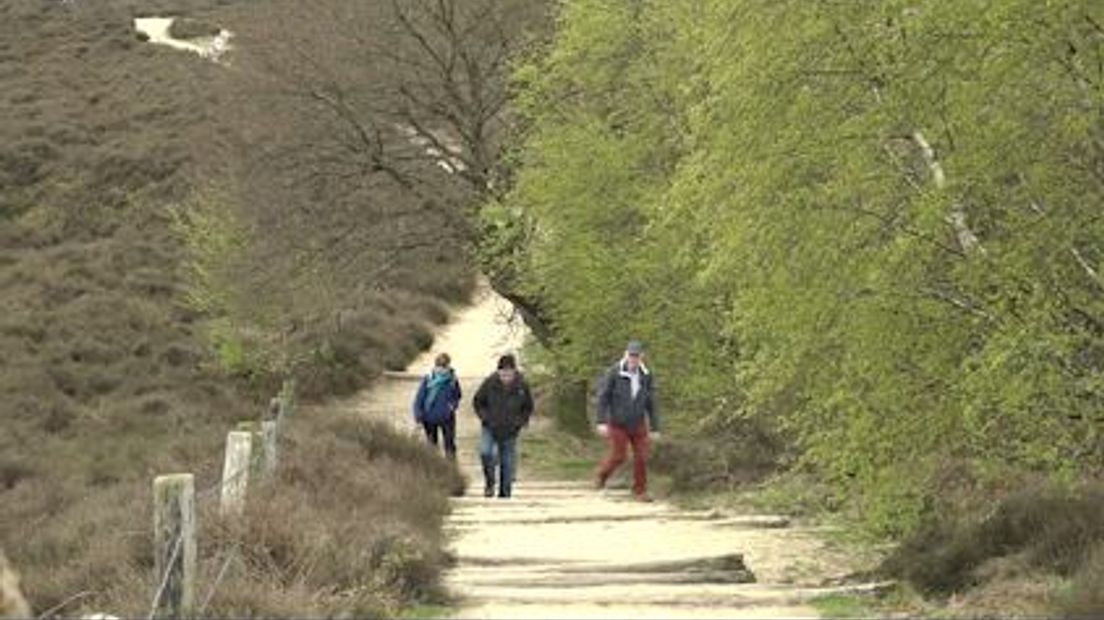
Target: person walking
[[627, 413], [503, 404], [436, 402]]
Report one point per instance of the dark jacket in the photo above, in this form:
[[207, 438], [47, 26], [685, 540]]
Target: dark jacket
[[501, 408], [442, 408], [616, 404]]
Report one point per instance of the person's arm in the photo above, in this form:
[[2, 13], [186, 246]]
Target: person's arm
[[605, 397], [651, 406], [480, 400], [457, 396], [527, 404], [419, 400], [605, 401]]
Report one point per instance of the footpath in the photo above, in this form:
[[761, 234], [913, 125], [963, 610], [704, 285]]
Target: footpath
[[561, 549]]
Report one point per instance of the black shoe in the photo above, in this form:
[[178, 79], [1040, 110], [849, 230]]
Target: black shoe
[[488, 490]]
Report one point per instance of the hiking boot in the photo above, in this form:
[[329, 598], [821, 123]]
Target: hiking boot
[[488, 490], [643, 497], [599, 483]]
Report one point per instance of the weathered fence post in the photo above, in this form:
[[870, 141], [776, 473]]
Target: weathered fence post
[[256, 452], [269, 446], [275, 409], [235, 472], [174, 545], [287, 400], [12, 603]]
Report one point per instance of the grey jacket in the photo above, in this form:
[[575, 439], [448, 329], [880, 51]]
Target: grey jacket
[[616, 404]]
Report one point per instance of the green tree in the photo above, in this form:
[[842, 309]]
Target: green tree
[[872, 226]]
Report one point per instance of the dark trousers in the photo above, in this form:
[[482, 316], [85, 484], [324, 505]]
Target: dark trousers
[[448, 430]]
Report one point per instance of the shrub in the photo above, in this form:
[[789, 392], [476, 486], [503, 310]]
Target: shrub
[[742, 451], [1085, 597], [568, 405], [355, 516], [1056, 529]]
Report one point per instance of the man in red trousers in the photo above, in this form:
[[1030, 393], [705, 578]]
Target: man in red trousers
[[626, 414]]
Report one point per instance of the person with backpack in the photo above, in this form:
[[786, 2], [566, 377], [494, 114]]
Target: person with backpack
[[503, 404], [436, 402], [626, 414]]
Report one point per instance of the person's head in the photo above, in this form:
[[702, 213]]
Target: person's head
[[507, 369], [634, 353], [442, 361]]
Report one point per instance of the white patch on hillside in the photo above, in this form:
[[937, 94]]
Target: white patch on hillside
[[157, 29]]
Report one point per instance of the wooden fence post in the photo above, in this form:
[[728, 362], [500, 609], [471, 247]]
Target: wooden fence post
[[174, 545], [235, 472], [257, 451], [275, 409], [269, 446], [12, 603], [287, 398]]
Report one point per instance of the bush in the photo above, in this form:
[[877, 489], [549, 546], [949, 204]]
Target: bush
[[356, 515], [1054, 528], [352, 526], [740, 452], [1085, 598], [568, 403]]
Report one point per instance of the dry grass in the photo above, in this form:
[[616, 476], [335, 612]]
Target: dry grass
[[190, 28], [98, 544], [353, 525], [384, 335]]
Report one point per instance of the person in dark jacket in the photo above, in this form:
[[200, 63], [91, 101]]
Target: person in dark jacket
[[626, 414], [436, 402], [503, 404]]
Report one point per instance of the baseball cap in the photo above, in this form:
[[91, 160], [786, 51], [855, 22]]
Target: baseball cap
[[634, 347]]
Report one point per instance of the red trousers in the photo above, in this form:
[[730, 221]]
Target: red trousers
[[619, 440]]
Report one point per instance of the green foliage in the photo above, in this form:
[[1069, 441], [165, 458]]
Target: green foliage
[[873, 227], [560, 455], [215, 241], [242, 330], [568, 407], [843, 606]]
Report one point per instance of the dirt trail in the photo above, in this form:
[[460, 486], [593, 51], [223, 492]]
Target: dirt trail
[[560, 549]]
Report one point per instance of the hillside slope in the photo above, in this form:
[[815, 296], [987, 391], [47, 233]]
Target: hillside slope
[[107, 376]]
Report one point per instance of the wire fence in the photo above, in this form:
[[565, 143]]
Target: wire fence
[[176, 506], [231, 555], [236, 471], [170, 566]]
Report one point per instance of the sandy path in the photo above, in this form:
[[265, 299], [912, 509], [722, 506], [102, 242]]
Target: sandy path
[[559, 549]]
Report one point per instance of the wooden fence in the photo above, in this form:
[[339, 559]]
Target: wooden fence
[[251, 457]]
